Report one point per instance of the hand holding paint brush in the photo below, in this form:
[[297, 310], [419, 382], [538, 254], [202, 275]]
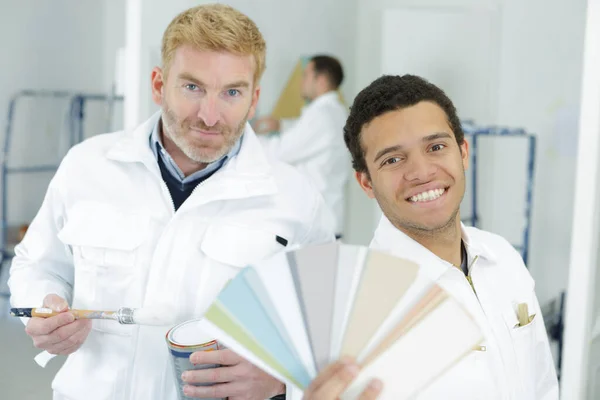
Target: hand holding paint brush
[[61, 333], [60, 330]]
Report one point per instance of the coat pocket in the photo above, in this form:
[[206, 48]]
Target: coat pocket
[[106, 244], [524, 342], [227, 249], [240, 246]]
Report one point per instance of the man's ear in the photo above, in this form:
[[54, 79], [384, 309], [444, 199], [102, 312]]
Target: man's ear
[[158, 83], [364, 180], [464, 153]]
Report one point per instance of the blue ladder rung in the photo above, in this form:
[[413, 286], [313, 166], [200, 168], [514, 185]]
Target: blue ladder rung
[[25, 170], [494, 131]]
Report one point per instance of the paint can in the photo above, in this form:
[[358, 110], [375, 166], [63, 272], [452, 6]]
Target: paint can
[[183, 340]]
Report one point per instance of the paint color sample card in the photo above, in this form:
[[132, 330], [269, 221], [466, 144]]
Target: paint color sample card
[[415, 300], [383, 284], [432, 346], [240, 302], [314, 269], [260, 291], [243, 346], [425, 305], [350, 266], [295, 312], [219, 317], [276, 276]]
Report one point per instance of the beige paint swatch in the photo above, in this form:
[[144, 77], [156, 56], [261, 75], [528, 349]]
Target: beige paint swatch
[[423, 354], [428, 303], [384, 281]]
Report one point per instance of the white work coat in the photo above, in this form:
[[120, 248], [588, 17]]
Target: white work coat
[[107, 236], [314, 144], [517, 362]]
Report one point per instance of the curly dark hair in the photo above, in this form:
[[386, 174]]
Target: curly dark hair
[[390, 93]]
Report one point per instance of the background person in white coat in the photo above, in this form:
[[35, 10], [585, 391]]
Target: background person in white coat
[[162, 217], [314, 143], [409, 153]]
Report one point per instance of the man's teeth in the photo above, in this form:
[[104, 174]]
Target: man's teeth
[[428, 196]]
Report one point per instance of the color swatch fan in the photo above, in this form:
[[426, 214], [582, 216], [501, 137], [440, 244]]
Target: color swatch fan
[[296, 312]]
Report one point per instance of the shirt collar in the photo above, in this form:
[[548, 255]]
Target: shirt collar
[[156, 146], [475, 245]]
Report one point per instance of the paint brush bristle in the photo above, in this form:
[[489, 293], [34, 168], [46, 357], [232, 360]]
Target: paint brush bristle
[[157, 316]]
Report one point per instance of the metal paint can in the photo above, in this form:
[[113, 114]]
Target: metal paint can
[[183, 340]]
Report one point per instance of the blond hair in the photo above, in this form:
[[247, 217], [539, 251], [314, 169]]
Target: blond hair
[[215, 27]]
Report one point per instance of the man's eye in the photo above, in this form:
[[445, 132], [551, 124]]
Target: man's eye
[[437, 147], [233, 92], [191, 87], [392, 160]]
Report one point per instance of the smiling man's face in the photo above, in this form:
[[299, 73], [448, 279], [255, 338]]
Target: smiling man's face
[[416, 168]]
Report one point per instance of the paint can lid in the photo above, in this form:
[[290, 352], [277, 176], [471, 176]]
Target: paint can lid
[[188, 333]]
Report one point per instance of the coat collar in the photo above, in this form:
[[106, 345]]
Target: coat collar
[[247, 174], [390, 239]]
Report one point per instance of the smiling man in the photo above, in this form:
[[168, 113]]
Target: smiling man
[[410, 154], [161, 217]]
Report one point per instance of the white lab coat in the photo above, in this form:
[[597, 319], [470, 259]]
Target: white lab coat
[[314, 144], [107, 236], [517, 363]]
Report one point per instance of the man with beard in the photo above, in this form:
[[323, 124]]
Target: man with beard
[[162, 217], [410, 154]]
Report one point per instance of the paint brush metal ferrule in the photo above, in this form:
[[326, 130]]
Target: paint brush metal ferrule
[[125, 316]]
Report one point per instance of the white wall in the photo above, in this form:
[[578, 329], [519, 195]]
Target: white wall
[[113, 36], [114, 39], [538, 86], [52, 45]]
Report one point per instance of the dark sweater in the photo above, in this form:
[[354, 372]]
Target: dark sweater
[[179, 191]]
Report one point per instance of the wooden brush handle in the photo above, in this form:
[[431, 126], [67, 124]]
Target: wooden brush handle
[[78, 314], [43, 312]]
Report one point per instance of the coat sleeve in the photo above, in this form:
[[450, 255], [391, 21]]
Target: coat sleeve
[[43, 264], [308, 136], [321, 227]]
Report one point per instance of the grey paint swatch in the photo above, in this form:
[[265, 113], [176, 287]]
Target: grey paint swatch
[[314, 272]]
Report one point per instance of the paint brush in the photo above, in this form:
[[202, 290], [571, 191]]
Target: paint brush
[[124, 315]]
